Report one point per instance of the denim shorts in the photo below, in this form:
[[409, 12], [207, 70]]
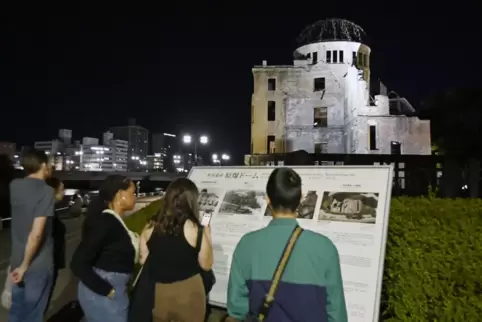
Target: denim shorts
[[99, 308]]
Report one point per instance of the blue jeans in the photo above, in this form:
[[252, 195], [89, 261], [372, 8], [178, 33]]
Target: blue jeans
[[29, 301], [98, 308]]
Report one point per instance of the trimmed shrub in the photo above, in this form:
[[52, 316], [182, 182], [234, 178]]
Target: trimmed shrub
[[138, 220], [433, 263]]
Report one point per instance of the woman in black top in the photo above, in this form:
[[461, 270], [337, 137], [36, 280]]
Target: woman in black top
[[175, 249], [106, 255]]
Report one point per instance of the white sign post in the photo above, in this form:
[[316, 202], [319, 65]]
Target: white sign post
[[348, 204]]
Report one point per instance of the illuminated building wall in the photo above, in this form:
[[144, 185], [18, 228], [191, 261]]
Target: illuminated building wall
[[322, 103]]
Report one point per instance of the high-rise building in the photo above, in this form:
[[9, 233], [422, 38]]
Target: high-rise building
[[65, 136], [165, 144], [155, 162], [137, 138], [91, 156], [119, 150]]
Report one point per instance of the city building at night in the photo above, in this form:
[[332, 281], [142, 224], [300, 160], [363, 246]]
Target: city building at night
[[118, 153], [54, 149], [155, 162], [86, 155], [8, 148], [137, 138], [324, 103], [110, 156], [166, 145]]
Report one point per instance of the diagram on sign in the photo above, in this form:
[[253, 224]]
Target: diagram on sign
[[307, 207], [209, 199], [349, 207], [243, 202]]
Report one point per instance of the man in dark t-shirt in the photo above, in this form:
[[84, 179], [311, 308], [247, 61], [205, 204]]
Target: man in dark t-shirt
[[32, 206]]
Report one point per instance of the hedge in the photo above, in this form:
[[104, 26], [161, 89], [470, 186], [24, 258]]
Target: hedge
[[433, 263], [138, 220]]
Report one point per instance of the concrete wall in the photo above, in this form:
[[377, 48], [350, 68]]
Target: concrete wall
[[413, 134], [286, 81]]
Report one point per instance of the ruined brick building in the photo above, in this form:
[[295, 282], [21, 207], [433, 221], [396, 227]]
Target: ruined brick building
[[324, 103]]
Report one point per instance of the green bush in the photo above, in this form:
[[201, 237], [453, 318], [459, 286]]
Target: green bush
[[137, 221], [433, 263]]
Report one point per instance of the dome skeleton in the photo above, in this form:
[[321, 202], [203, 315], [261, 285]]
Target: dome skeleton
[[331, 30]]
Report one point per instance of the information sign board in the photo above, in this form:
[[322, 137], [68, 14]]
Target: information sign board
[[348, 204]]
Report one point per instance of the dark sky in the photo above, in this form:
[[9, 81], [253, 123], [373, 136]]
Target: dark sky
[[179, 72]]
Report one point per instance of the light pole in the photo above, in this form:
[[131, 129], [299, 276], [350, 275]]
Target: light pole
[[187, 139]]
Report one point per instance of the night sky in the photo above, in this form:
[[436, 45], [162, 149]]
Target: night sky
[[177, 72]]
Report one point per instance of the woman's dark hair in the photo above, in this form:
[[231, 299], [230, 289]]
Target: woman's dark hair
[[284, 190], [107, 192], [180, 204], [54, 183]]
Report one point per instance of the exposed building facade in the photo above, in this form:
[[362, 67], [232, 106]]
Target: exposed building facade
[[323, 102]]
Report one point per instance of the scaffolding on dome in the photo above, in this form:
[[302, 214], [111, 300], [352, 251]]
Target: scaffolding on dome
[[331, 30]]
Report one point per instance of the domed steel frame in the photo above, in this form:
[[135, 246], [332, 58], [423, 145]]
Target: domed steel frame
[[332, 30]]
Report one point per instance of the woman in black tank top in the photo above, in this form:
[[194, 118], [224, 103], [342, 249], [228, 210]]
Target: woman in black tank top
[[174, 258]]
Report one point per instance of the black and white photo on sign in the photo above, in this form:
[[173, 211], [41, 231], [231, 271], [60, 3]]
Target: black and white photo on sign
[[307, 207], [243, 202], [359, 207], [209, 199]]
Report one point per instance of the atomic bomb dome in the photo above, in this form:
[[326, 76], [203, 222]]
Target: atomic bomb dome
[[332, 30], [323, 103]]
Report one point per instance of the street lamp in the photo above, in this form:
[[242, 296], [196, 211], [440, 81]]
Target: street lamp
[[203, 139], [216, 159], [225, 157]]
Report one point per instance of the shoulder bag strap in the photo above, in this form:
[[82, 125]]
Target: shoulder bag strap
[[199, 240], [269, 299]]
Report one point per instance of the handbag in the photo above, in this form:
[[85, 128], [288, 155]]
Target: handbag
[[7, 291], [269, 299], [208, 277]]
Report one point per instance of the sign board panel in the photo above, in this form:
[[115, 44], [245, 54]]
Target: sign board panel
[[348, 204]]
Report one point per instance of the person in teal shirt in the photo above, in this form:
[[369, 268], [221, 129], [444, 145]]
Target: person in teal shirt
[[311, 288]]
